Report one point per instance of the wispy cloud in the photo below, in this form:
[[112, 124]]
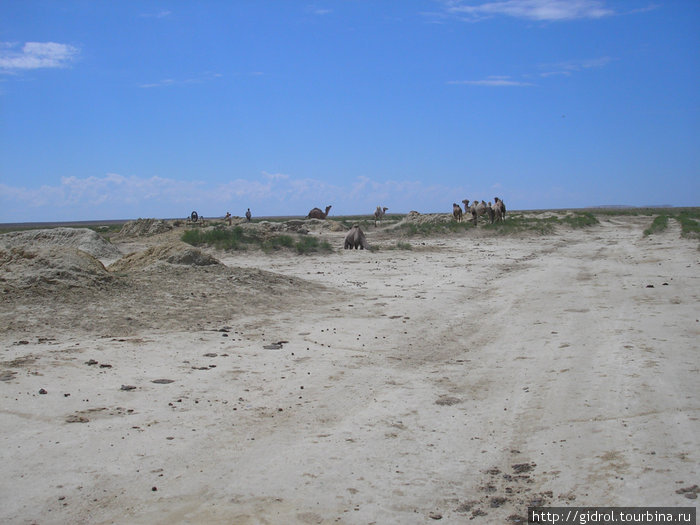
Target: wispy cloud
[[36, 55], [567, 68], [117, 196], [160, 14], [320, 11], [492, 81], [201, 79], [538, 10]]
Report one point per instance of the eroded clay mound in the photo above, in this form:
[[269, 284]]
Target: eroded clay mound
[[83, 239], [176, 253], [145, 227], [45, 270]]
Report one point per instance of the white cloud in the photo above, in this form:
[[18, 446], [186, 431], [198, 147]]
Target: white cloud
[[120, 197], [160, 14], [571, 66], [539, 10], [166, 82], [36, 55], [492, 81]]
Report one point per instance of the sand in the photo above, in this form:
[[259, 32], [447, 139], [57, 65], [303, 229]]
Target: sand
[[458, 381]]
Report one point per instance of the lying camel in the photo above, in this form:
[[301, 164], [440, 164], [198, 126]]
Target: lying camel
[[379, 214], [355, 238], [457, 212], [317, 213]]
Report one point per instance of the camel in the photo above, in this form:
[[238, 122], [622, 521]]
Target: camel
[[477, 208], [499, 209], [489, 211], [502, 205], [317, 213], [379, 214], [457, 212], [248, 215], [228, 218], [355, 238]]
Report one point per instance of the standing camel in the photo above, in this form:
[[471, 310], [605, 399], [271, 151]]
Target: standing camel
[[248, 215], [379, 214], [457, 212], [317, 213], [502, 205], [477, 209], [355, 238], [499, 209]]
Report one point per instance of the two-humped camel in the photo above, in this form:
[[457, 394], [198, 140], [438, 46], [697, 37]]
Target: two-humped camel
[[477, 209], [355, 238], [457, 212], [317, 213], [499, 209], [379, 214]]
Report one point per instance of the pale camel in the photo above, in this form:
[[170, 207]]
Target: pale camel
[[502, 205], [457, 212], [379, 214], [355, 238], [317, 213], [499, 209], [477, 209]]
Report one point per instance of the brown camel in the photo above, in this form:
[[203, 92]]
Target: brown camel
[[457, 212], [317, 213]]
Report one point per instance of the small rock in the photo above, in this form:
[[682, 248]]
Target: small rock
[[163, 381], [435, 516], [128, 387], [42, 391], [91, 362]]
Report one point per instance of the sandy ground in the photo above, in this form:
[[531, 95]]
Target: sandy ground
[[457, 382]]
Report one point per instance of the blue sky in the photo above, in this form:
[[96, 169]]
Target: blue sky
[[126, 109]]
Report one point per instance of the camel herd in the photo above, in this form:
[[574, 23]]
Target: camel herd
[[496, 212]]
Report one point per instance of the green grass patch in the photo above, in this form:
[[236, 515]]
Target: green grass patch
[[580, 220], [411, 229], [659, 224], [237, 238], [308, 244], [278, 242], [690, 223], [222, 239]]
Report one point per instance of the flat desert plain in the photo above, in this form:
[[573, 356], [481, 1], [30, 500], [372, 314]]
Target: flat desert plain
[[457, 381]]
